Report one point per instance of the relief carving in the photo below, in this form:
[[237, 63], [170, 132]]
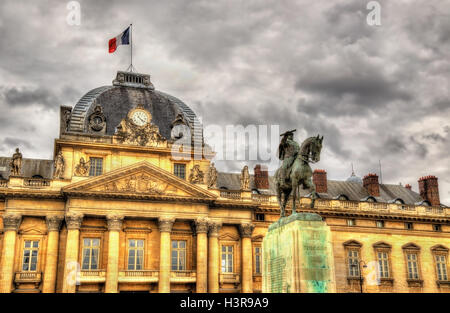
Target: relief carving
[[82, 169], [196, 175], [53, 222], [97, 120], [246, 230]]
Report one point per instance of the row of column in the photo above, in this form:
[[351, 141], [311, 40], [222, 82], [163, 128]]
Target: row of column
[[208, 254]]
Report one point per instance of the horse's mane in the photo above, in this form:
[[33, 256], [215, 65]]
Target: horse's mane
[[304, 148]]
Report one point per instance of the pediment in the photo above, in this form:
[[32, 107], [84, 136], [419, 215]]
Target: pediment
[[228, 236], [141, 178]]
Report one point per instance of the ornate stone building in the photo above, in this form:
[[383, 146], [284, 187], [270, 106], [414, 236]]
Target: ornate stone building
[[118, 211]]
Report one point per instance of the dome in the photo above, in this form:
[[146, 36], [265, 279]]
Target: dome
[[127, 92], [354, 179]]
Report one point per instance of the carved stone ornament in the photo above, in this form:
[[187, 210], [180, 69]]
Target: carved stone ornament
[[53, 222], [246, 230], [146, 135], [245, 178], [82, 169], [165, 224], [214, 228], [97, 120], [212, 176], [67, 117], [74, 220], [114, 222], [201, 225], [59, 166], [16, 163], [196, 175], [11, 221], [179, 120], [139, 183]]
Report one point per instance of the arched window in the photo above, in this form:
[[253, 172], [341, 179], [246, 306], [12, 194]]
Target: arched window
[[342, 197]]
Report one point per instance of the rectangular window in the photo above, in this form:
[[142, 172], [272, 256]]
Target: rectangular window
[[258, 260], [178, 255], [353, 263], [409, 226], [380, 224], [179, 170], [135, 254], [383, 264], [30, 255], [351, 222], [441, 267], [95, 166], [259, 217], [227, 259], [91, 249], [413, 268]]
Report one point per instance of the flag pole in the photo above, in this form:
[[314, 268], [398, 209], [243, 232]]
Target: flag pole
[[131, 38]]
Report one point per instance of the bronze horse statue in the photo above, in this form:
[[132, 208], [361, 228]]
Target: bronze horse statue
[[299, 174]]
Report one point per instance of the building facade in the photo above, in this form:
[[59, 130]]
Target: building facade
[[132, 203]]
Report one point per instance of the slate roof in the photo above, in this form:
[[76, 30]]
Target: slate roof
[[117, 101], [354, 191], [30, 167]]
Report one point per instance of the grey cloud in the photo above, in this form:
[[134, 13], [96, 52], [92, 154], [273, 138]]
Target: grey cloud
[[25, 96]]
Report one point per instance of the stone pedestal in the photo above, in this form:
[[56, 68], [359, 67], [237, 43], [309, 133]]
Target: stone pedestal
[[298, 256]]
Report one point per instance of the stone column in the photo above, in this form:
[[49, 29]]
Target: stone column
[[11, 223], [165, 227], [71, 266], [213, 257], [246, 231], [51, 259], [201, 228], [112, 268]]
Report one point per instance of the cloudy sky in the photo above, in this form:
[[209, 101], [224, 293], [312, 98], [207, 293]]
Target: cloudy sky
[[374, 92]]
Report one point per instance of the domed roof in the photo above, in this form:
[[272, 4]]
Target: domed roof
[[127, 92], [354, 179]]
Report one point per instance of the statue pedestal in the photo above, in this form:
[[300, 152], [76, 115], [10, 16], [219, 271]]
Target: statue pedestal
[[298, 256]]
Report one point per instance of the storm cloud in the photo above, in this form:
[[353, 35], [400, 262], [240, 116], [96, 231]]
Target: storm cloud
[[378, 94]]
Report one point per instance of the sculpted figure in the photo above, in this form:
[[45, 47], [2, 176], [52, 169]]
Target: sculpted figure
[[212, 176], [82, 169], [16, 163], [59, 166], [196, 175], [295, 170], [245, 178]]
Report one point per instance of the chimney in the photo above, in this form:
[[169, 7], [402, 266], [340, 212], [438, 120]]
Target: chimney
[[408, 186], [320, 180], [429, 189], [370, 182], [261, 177]]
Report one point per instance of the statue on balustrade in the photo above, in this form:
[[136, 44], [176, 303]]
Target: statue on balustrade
[[16, 163]]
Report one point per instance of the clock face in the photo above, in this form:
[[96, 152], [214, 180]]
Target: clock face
[[140, 118]]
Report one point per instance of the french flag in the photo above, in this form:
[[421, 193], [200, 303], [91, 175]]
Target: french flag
[[122, 39]]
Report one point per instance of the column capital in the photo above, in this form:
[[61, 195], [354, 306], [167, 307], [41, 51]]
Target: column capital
[[166, 223], [53, 222], [11, 221], [246, 229], [114, 222], [214, 228], [74, 220], [201, 225]]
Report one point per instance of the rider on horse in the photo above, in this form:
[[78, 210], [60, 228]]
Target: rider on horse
[[287, 151]]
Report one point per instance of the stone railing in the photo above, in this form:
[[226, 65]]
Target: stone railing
[[185, 276], [92, 276], [230, 278], [3, 183], [28, 277], [36, 182], [231, 194], [139, 276], [261, 198]]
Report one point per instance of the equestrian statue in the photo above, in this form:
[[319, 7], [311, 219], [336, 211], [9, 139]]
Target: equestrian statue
[[295, 170]]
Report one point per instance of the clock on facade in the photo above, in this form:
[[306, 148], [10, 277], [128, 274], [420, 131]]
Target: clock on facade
[[140, 118]]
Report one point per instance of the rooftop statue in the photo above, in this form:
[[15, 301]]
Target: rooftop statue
[[16, 163], [295, 170]]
